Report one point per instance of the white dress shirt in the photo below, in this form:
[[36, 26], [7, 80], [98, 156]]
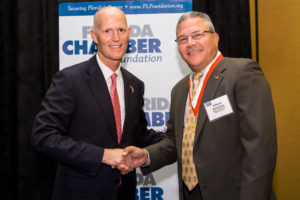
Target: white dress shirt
[[107, 72], [204, 71]]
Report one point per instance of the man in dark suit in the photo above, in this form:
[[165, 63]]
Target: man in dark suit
[[222, 129], [91, 111]]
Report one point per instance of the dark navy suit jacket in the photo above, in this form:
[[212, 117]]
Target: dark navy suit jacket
[[75, 125]]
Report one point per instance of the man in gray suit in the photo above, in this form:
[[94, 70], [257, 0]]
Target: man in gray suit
[[222, 129]]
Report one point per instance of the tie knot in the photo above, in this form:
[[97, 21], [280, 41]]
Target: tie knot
[[196, 82], [113, 76], [198, 75]]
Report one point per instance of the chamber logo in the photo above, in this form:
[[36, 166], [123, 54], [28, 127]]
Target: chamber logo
[[143, 46], [147, 188], [157, 112], [80, 47]]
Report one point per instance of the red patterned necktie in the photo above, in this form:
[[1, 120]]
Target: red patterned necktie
[[116, 105]]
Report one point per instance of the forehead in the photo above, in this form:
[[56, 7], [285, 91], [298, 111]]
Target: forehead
[[111, 19], [190, 25]]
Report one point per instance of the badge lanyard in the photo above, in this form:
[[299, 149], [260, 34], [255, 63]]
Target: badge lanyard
[[213, 66]]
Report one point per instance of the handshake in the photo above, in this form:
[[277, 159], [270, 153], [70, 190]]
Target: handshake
[[125, 160]]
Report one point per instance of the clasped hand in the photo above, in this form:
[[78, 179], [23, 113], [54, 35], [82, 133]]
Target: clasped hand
[[125, 160]]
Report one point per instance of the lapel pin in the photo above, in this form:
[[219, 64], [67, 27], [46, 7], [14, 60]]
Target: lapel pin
[[217, 77], [132, 89]]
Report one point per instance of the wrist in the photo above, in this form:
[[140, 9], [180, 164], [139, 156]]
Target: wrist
[[146, 159], [105, 156]]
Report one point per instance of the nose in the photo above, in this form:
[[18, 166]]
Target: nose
[[190, 41], [115, 35]]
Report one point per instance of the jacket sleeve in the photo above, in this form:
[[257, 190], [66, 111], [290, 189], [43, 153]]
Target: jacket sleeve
[[257, 133], [51, 125], [164, 152]]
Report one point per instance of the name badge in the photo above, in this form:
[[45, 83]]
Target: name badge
[[218, 108]]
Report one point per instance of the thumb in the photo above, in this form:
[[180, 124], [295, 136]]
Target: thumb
[[127, 150]]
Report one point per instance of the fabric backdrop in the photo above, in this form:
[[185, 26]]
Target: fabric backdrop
[[29, 59]]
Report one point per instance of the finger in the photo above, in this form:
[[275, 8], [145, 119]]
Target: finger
[[122, 167], [124, 153], [128, 150], [130, 163]]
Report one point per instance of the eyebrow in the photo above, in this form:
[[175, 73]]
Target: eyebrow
[[189, 34]]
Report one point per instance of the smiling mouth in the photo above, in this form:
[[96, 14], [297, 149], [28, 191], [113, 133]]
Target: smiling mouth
[[193, 52], [115, 46]]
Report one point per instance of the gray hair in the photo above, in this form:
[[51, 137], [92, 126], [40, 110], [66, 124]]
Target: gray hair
[[194, 14]]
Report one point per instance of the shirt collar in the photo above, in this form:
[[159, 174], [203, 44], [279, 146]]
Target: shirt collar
[[106, 71], [206, 69]]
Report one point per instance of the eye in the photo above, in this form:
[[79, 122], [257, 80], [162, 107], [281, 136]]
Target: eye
[[197, 35], [182, 39], [122, 30], [108, 31]]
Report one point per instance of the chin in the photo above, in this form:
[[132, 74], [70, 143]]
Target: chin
[[194, 64], [117, 57]]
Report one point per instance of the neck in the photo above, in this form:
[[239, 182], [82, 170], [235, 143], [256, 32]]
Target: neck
[[112, 64]]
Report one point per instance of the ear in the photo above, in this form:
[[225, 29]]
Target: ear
[[129, 32], [94, 36], [216, 36]]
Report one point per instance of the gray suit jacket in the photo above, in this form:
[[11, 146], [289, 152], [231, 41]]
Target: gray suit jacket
[[235, 155]]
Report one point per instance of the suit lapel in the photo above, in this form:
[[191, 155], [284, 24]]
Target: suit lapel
[[210, 90], [180, 110], [128, 95], [99, 88]]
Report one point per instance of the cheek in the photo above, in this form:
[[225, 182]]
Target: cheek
[[125, 42], [181, 52], [210, 46], [103, 49]]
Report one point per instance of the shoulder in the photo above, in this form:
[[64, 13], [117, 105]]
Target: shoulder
[[181, 86], [238, 63], [235, 67], [79, 72], [244, 73], [182, 83], [79, 68], [130, 77]]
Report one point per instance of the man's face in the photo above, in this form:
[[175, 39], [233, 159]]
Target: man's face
[[197, 53], [111, 34]]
